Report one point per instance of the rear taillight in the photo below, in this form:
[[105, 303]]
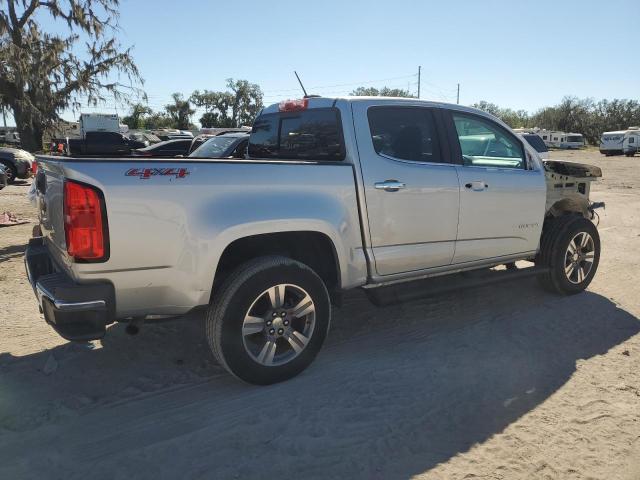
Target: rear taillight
[[85, 224], [34, 167], [293, 105]]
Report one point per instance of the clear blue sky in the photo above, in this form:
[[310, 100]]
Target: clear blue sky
[[516, 54]]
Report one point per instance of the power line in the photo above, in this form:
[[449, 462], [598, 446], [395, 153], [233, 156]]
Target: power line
[[322, 87]]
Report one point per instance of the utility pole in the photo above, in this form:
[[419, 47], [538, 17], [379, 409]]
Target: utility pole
[[419, 68], [458, 95]]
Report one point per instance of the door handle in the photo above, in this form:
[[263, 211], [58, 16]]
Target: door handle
[[390, 185], [477, 186]]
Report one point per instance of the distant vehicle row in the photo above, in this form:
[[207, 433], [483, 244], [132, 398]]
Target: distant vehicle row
[[555, 139]]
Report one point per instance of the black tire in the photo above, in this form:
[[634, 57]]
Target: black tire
[[235, 299], [11, 172], [556, 237]]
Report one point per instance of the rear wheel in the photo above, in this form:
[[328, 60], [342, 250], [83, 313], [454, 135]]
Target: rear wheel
[[570, 248], [11, 172], [269, 320]]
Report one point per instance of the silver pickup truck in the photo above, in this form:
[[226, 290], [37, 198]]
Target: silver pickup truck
[[334, 194]]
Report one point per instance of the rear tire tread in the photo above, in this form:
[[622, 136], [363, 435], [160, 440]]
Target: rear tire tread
[[222, 298]]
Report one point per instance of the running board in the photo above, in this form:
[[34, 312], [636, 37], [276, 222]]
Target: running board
[[403, 292]]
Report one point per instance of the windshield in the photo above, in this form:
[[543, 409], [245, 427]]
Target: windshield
[[574, 138], [536, 142], [214, 147]]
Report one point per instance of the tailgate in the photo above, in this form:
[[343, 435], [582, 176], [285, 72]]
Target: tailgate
[[49, 202]]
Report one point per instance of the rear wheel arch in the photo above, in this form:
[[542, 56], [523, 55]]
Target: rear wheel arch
[[314, 249]]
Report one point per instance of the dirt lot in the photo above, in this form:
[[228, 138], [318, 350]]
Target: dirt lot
[[500, 382]]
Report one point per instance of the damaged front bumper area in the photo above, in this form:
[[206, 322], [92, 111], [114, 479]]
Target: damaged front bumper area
[[76, 311]]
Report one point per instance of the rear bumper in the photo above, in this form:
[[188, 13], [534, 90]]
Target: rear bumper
[[76, 311]]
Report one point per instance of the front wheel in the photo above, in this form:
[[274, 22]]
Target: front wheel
[[269, 320], [570, 248]]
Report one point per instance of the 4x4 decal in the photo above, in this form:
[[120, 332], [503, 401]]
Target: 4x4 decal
[[146, 173]]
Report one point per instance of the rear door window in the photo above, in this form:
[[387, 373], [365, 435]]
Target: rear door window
[[314, 134], [405, 133]]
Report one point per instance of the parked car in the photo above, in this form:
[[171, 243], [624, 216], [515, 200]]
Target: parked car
[[203, 137], [97, 143], [9, 136], [3, 177], [172, 134], [17, 163], [537, 143], [338, 193], [228, 145], [144, 137], [168, 148]]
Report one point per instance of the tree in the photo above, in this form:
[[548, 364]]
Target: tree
[[42, 74], [513, 118], [217, 108], [156, 120], [246, 101], [235, 107], [180, 111], [383, 92], [573, 114], [136, 119]]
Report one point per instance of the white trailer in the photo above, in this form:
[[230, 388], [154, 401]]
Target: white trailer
[[99, 122], [631, 142], [611, 143]]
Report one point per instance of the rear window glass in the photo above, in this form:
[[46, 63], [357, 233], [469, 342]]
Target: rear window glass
[[536, 142], [314, 134], [214, 147]]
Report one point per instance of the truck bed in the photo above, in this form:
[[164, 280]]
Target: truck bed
[[172, 217]]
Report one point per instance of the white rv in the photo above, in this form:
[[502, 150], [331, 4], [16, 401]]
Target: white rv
[[611, 143], [631, 142], [572, 140], [99, 122], [545, 135]]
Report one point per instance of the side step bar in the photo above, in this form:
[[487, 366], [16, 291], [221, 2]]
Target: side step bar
[[403, 292]]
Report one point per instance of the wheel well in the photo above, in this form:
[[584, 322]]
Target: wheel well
[[569, 205], [314, 249]]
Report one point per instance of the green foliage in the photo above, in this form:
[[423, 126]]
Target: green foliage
[[157, 120], [573, 114], [383, 92], [180, 111], [136, 120], [42, 73], [235, 107]]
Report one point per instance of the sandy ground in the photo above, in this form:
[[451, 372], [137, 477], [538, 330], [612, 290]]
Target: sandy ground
[[501, 382]]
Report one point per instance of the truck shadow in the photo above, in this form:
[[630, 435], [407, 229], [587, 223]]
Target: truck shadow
[[11, 251], [396, 391]]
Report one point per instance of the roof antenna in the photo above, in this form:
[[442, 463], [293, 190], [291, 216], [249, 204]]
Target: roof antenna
[[300, 82]]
